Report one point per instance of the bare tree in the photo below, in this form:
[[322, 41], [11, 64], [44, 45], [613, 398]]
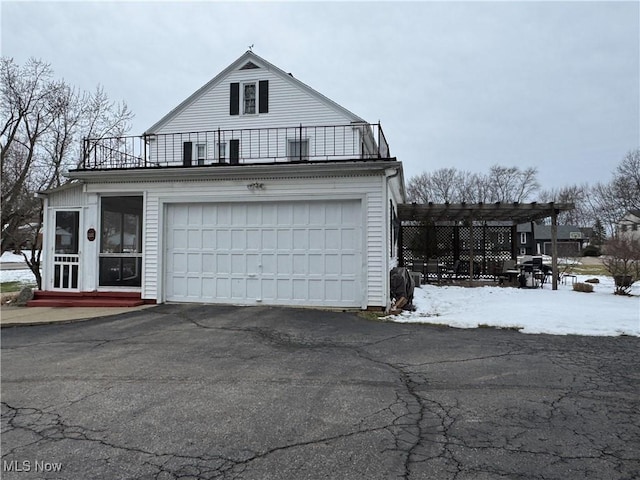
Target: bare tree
[[510, 184], [609, 202], [501, 184], [28, 107], [582, 215], [41, 138], [626, 181]]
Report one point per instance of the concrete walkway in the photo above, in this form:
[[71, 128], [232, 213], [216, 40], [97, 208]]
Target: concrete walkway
[[11, 316]]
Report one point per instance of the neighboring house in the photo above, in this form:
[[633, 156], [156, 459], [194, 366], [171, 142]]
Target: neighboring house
[[629, 225], [571, 239], [255, 190]]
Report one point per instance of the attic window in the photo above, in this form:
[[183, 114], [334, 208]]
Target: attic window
[[249, 97], [253, 97], [249, 66]]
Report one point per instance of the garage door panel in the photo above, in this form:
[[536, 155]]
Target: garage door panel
[[316, 239], [299, 264], [223, 263], [223, 240], [273, 252], [300, 239], [238, 264], [269, 239], [208, 262], [238, 240], [253, 239], [284, 239], [332, 239]]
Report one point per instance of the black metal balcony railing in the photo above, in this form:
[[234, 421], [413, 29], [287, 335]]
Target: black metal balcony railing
[[235, 147]]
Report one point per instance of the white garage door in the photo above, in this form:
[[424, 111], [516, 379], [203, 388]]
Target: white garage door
[[279, 253]]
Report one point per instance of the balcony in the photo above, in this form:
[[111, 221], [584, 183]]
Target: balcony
[[358, 141]]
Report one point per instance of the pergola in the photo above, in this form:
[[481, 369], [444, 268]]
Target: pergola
[[514, 212]]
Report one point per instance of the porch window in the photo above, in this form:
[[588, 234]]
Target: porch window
[[120, 261]]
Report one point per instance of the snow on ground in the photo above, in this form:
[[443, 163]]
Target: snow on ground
[[10, 257], [559, 312], [22, 276]]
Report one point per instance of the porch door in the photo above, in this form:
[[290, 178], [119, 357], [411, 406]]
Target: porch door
[[66, 259]]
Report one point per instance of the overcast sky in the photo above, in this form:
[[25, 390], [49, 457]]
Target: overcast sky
[[552, 85]]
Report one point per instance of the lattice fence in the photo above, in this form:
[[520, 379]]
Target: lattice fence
[[452, 245]]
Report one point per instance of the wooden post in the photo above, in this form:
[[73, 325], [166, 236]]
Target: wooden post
[[554, 247]]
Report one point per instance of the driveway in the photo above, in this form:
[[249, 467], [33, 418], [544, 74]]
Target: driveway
[[202, 392]]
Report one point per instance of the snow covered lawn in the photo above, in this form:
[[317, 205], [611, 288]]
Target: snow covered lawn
[[10, 257], [557, 312]]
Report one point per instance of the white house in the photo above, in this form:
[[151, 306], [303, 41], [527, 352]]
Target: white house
[[629, 225], [256, 189]]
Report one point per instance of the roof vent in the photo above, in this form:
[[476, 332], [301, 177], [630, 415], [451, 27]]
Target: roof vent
[[249, 66]]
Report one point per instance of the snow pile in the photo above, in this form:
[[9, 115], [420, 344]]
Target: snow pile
[[559, 312]]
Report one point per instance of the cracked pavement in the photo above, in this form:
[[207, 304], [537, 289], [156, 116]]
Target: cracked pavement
[[223, 392]]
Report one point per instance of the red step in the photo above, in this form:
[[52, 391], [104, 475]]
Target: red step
[[85, 299]]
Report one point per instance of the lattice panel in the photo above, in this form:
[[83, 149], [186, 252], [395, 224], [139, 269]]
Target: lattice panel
[[491, 246]]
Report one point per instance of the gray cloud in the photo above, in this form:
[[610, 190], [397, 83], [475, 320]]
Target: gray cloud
[[468, 85]]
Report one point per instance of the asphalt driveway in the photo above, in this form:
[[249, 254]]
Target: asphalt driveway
[[202, 392]]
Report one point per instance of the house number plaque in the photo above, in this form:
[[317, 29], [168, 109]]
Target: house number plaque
[[91, 234]]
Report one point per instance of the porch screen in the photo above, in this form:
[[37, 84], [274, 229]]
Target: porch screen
[[121, 241]]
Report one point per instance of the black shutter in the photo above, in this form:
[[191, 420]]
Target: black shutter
[[234, 103], [186, 153], [263, 93], [234, 152]]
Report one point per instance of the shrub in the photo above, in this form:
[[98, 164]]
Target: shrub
[[583, 287], [591, 251], [623, 263], [592, 280]]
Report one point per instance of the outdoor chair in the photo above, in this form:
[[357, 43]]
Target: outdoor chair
[[509, 272], [452, 272], [418, 266], [433, 271]]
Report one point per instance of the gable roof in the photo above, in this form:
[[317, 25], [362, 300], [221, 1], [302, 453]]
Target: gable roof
[[250, 58]]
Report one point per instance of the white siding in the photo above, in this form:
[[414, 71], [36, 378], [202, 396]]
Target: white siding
[[289, 106], [365, 188], [68, 197]]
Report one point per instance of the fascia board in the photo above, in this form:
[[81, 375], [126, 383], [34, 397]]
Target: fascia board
[[236, 172]]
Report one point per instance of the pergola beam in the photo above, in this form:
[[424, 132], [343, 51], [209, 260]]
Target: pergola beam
[[515, 212]]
